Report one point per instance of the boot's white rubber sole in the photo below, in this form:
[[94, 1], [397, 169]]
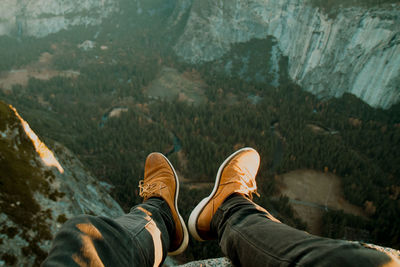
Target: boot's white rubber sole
[[185, 240], [199, 208]]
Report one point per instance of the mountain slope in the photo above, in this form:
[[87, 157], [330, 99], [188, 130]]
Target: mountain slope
[[35, 197]]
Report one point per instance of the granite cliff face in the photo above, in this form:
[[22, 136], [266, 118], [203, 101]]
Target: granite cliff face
[[42, 17], [39, 192], [358, 51]]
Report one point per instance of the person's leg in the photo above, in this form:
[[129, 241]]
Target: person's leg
[[134, 239], [250, 236], [142, 237], [154, 232]]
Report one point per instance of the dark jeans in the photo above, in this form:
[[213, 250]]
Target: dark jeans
[[139, 238], [248, 237], [246, 234]]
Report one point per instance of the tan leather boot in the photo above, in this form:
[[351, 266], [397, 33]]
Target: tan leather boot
[[236, 175], [160, 180]]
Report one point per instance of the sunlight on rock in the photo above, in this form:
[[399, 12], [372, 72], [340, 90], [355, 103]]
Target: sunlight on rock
[[45, 154]]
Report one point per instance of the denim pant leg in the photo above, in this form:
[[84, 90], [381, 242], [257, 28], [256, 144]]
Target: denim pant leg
[[139, 238], [249, 237], [150, 226]]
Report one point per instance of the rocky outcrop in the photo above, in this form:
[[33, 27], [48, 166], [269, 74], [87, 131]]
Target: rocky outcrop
[[358, 51], [218, 262], [42, 17], [39, 192], [85, 195]]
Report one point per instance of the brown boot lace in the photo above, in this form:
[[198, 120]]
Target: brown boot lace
[[147, 190]]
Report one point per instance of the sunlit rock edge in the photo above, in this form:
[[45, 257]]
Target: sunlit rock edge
[[83, 194]]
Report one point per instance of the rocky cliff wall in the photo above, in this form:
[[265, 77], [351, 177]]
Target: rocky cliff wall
[[36, 199], [358, 51], [42, 17]]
